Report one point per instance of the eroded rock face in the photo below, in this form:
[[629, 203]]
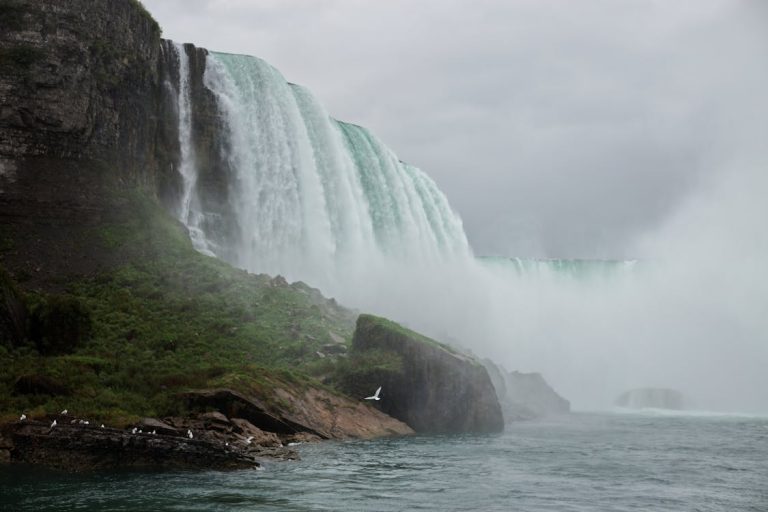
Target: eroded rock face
[[525, 396], [430, 387]]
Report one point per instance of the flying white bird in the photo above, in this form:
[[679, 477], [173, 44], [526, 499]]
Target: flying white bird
[[23, 417], [375, 395], [189, 434], [53, 424], [248, 440], [64, 411]]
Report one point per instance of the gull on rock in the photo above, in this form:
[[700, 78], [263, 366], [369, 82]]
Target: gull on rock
[[102, 425], [189, 434], [64, 411], [134, 430], [248, 440], [53, 424], [375, 396], [23, 417]]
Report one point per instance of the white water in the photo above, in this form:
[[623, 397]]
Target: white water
[[189, 211], [326, 202]]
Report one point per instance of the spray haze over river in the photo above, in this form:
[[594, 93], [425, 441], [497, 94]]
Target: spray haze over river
[[328, 203]]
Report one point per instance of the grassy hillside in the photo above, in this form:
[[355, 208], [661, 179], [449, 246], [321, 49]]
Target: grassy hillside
[[121, 341]]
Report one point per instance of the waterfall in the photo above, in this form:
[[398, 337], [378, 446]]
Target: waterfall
[[188, 210], [316, 198], [278, 186]]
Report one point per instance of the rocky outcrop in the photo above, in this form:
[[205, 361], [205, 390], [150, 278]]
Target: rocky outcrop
[[87, 447], [525, 396], [293, 411], [656, 398], [424, 383]]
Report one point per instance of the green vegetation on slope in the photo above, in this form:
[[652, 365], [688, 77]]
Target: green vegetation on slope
[[368, 323], [163, 320]]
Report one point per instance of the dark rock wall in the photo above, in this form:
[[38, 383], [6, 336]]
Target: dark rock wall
[[79, 81], [85, 116], [89, 108], [435, 391]]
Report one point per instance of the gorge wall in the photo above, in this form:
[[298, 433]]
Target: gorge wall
[[84, 118]]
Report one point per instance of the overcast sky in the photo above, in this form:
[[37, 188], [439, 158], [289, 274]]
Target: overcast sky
[[557, 128]]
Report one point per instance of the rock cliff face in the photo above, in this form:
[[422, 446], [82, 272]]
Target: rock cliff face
[[657, 398], [84, 117], [425, 384], [79, 81], [525, 396]]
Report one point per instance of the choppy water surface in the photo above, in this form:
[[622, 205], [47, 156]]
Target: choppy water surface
[[585, 462]]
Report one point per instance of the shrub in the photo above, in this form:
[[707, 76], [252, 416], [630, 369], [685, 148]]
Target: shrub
[[58, 323]]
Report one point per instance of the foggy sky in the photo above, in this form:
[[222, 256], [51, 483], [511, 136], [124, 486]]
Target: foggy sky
[[556, 128]]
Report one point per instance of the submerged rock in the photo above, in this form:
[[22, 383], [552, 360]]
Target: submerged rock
[[424, 383]]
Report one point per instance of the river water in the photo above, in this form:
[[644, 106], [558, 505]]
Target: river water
[[584, 462]]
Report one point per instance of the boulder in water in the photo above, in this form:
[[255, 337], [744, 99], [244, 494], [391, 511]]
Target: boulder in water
[[428, 385], [525, 396]]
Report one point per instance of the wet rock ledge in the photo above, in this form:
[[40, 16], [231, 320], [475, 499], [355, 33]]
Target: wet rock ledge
[[217, 443]]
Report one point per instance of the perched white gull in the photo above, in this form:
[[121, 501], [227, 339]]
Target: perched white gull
[[102, 425], [53, 424], [375, 395], [64, 411], [134, 430], [189, 434], [23, 417], [154, 432]]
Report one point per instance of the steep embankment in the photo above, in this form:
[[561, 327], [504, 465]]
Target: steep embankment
[[424, 383]]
